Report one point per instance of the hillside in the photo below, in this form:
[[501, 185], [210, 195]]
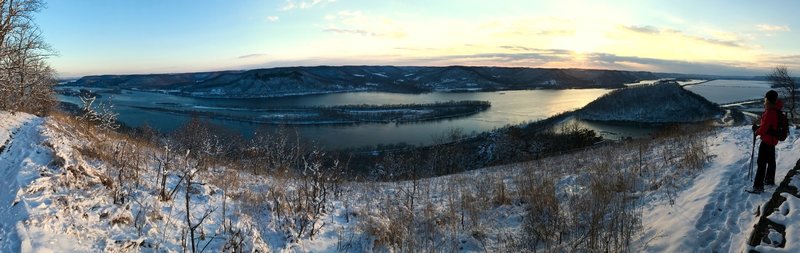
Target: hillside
[[73, 190], [662, 102], [286, 81]]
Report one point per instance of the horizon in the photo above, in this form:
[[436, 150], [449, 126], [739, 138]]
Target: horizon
[[108, 38], [412, 66]]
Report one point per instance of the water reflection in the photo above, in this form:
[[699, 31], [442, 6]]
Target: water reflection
[[508, 108]]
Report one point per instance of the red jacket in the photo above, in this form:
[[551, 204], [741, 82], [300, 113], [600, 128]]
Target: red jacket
[[769, 120]]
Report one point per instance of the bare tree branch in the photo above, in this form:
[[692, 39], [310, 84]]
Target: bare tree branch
[[26, 80], [781, 79]]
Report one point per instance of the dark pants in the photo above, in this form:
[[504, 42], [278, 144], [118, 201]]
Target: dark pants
[[766, 166]]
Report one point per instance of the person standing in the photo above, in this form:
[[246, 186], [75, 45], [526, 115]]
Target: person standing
[[765, 174]]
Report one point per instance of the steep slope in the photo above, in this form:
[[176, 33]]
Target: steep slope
[[662, 102], [60, 195], [152, 81], [56, 198]]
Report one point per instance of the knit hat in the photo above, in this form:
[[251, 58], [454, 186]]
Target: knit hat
[[772, 96]]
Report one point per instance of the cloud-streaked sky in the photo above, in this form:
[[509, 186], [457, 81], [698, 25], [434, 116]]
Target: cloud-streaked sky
[[733, 37]]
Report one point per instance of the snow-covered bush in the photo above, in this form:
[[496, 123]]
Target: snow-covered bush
[[544, 222], [100, 114]]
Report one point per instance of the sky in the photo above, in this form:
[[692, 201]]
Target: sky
[[732, 37]]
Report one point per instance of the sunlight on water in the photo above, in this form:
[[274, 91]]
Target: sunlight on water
[[508, 107]]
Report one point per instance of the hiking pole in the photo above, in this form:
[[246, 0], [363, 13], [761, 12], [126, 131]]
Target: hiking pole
[[752, 153]]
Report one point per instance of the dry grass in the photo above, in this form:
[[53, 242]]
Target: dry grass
[[122, 219], [585, 201], [597, 208]]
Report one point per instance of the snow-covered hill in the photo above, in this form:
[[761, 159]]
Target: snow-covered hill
[[61, 193], [662, 102], [287, 81]]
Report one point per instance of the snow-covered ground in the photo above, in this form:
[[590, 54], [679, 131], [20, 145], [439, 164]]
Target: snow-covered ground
[[788, 215], [57, 197], [16, 135], [714, 213]]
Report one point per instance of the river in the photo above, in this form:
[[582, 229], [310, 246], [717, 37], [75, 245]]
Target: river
[[508, 108]]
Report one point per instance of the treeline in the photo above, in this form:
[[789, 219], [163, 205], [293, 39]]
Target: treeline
[[403, 112], [268, 151], [451, 103], [278, 149], [454, 151], [26, 79]]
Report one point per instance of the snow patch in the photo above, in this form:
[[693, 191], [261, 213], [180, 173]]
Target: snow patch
[[788, 214]]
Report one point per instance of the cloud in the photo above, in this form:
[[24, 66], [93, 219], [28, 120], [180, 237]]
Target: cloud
[[651, 30], [351, 31], [523, 27], [565, 32], [532, 57], [488, 59], [789, 58], [537, 50], [273, 18], [247, 56], [673, 66], [495, 57], [293, 4], [599, 61], [358, 23], [415, 48], [642, 29], [728, 43], [349, 14], [773, 28], [790, 61]]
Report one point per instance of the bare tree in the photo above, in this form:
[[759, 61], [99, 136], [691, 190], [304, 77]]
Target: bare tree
[[101, 114], [189, 172], [26, 80], [780, 78], [272, 151]]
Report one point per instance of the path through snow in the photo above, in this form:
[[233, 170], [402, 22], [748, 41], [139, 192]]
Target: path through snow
[[24, 157], [15, 131], [714, 213]]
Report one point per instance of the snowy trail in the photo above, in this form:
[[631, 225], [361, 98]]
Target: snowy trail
[[29, 213], [19, 131], [714, 213]]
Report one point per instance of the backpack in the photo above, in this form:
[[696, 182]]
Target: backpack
[[782, 130]]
